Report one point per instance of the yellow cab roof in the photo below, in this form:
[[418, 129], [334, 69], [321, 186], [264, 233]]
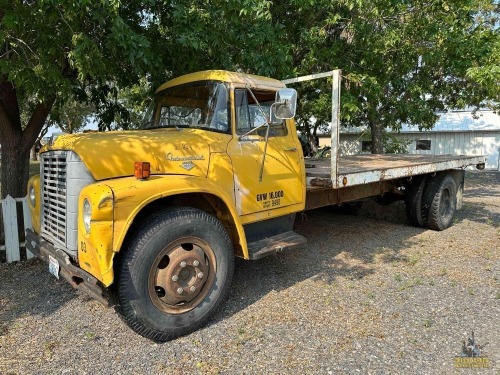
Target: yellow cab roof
[[224, 76]]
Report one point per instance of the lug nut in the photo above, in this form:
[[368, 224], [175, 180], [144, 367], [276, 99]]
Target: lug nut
[[183, 264], [192, 289], [180, 290], [196, 263], [175, 278], [200, 275]]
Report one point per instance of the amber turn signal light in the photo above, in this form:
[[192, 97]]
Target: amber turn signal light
[[142, 170]]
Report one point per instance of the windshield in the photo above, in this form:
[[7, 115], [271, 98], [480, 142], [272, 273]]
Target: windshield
[[200, 105]]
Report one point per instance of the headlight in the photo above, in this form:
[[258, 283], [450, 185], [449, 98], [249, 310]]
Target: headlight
[[87, 213], [32, 196]]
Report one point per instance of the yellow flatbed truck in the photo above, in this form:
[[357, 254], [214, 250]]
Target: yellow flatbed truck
[[150, 220]]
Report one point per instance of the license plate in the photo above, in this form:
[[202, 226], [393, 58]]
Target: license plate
[[54, 266]]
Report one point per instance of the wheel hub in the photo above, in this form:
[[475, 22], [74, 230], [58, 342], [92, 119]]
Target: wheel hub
[[182, 275]]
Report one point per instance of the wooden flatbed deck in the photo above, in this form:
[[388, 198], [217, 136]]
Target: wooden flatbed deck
[[364, 169]]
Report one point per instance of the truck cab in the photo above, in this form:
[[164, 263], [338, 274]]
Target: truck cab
[[151, 219]]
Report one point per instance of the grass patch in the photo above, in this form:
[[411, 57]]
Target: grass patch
[[443, 272], [410, 284], [428, 323], [414, 258]]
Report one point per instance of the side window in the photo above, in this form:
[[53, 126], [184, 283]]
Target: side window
[[249, 114], [423, 144]]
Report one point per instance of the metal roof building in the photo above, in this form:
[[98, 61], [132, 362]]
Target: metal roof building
[[456, 133]]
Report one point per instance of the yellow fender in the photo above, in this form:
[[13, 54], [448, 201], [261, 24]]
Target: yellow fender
[[127, 197]]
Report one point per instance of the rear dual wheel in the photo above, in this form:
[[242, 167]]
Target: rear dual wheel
[[440, 202], [174, 274], [413, 201], [432, 202]]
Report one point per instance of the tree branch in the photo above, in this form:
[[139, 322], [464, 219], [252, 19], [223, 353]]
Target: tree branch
[[36, 122]]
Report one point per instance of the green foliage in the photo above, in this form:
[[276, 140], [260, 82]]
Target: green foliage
[[401, 61], [391, 143], [394, 145], [214, 34], [67, 47], [70, 115], [109, 55]]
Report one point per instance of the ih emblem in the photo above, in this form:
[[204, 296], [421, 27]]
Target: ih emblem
[[187, 165]]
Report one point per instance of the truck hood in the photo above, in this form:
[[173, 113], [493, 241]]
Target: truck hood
[[112, 154]]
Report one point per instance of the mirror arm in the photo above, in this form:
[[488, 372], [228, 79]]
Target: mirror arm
[[267, 123], [253, 130], [264, 156]]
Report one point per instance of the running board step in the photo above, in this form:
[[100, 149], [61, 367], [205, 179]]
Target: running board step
[[284, 241]]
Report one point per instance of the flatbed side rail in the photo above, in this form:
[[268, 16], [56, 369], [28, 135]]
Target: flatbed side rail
[[369, 168], [365, 177]]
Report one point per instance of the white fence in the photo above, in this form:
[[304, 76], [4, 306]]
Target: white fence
[[9, 214]]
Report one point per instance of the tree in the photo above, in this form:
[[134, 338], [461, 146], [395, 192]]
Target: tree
[[70, 115], [402, 61], [194, 35], [52, 50], [97, 53]]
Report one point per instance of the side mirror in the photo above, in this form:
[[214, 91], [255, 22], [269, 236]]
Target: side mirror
[[285, 105]]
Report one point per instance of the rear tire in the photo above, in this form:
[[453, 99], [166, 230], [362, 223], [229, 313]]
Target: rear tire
[[174, 274], [413, 202], [440, 198]]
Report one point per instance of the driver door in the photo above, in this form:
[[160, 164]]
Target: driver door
[[282, 178]]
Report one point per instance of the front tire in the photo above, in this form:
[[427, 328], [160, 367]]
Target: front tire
[[174, 274]]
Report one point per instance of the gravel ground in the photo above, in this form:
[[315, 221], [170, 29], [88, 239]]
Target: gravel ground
[[368, 295]]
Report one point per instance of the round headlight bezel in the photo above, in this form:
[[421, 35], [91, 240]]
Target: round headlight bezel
[[86, 214], [32, 196]]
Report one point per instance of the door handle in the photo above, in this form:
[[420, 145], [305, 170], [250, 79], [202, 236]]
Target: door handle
[[291, 149]]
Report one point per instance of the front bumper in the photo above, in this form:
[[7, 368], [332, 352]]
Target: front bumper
[[77, 278]]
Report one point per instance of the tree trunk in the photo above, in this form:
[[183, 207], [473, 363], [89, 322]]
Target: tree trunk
[[377, 137], [34, 154], [16, 143], [15, 168], [312, 140]]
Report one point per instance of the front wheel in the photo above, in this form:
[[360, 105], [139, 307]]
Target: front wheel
[[174, 274]]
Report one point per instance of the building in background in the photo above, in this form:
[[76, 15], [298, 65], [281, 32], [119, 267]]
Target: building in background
[[456, 133]]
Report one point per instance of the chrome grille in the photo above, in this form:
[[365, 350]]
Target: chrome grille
[[53, 171], [63, 176]]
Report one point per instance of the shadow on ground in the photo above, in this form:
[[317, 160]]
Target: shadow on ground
[[27, 288]]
